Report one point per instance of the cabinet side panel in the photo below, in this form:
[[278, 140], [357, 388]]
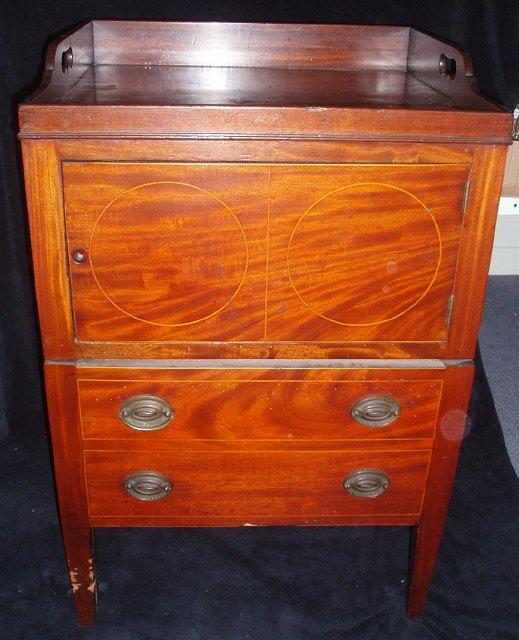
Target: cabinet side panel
[[46, 221], [475, 250]]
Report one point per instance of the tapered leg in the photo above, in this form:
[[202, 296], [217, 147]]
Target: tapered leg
[[62, 406], [426, 537], [80, 558]]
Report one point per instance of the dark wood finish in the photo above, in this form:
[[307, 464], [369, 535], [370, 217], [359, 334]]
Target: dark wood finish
[[238, 192], [263, 521], [231, 79], [261, 405], [60, 384], [216, 44], [428, 534], [246, 484], [353, 123], [260, 87]]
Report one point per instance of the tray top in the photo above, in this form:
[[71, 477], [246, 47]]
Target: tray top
[[247, 80]]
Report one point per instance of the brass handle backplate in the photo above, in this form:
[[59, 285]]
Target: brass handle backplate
[[147, 485], [367, 483], [375, 411], [146, 413]]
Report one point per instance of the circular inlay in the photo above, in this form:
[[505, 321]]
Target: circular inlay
[[364, 254], [168, 253]]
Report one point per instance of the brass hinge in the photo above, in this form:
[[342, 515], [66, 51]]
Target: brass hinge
[[450, 307], [465, 197]]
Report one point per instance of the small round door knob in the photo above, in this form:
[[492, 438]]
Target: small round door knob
[[79, 256]]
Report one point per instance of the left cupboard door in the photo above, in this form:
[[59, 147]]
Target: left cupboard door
[[167, 251]]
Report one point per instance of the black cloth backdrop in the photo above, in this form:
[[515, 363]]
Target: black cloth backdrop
[[488, 30]]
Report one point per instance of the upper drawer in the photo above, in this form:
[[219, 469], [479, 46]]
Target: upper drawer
[[251, 253], [150, 407], [149, 411]]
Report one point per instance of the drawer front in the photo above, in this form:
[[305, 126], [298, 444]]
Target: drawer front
[[260, 405], [249, 484], [254, 253]]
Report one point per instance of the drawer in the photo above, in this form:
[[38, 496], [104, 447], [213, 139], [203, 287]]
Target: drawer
[[254, 484], [277, 404]]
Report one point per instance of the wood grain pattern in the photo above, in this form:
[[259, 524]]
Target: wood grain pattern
[[43, 189], [249, 484], [235, 86], [55, 81], [476, 250], [267, 151], [363, 253], [175, 252], [357, 520], [449, 435], [333, 123], [60, 384], [155, 290], [282, 349], [220, 44], [52, 292], [221, 91], [423, 61], [285, 410]]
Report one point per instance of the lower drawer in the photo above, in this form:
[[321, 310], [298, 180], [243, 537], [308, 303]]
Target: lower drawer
[[276, 485]]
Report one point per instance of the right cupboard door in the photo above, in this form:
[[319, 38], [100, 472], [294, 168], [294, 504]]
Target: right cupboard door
[[363, 253]]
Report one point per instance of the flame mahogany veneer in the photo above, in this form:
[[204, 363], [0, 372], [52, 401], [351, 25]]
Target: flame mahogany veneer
[[260, 255]]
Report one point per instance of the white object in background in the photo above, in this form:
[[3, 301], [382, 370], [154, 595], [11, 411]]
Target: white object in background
[[505, 256]]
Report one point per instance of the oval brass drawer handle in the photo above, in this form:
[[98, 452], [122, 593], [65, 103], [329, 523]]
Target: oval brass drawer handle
[[146, 413], [367, 483], [375, 411], [147, 485]]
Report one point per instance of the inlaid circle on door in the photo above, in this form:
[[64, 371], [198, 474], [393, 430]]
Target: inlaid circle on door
[[168, 253], [364, 254]]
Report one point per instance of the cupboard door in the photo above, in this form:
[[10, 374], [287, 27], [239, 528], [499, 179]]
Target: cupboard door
[[363, 253], [167, 252]]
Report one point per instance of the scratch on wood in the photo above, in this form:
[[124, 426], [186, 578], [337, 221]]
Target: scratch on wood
[[74, 580], [91, 576]]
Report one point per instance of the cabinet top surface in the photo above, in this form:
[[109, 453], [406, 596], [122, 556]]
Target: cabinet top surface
[[319, 74]]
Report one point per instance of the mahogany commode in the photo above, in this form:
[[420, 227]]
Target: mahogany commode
[[260, 255]]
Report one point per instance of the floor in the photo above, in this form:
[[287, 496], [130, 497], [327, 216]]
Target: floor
[[499, 345]]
